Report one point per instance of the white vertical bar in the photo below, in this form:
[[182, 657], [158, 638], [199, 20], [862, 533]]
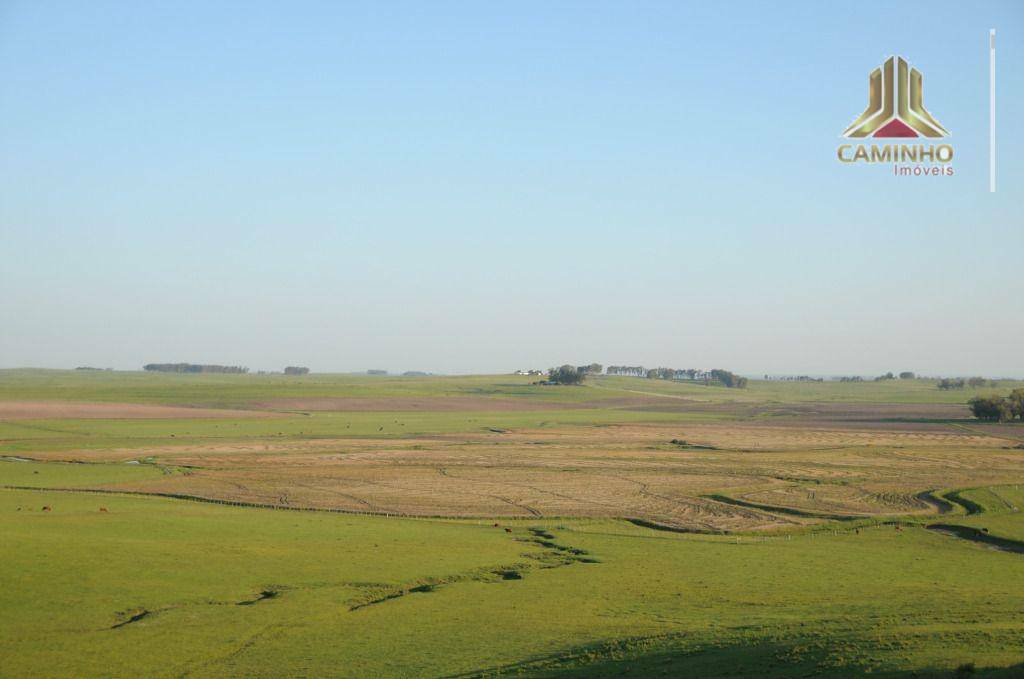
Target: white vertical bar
[[992, 110]]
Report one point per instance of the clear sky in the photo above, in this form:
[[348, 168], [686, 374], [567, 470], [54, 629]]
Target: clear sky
[[477, 187]]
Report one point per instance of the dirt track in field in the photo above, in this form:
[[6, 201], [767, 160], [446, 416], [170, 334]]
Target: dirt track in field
[[54, 410]]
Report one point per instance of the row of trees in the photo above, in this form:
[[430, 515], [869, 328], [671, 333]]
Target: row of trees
[[905, 375], [949, 383], [296, 370], [193, 368], [716, 376], [794, 378], [568, 374], [999, 408]]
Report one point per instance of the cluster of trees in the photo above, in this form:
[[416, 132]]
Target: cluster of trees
[[728, 379], [672, 374], [999, 408], [592, 369], [566, 374], [716, 376], [948, 383], [905, 375], [296, 370], [628, 370], [376, 372], [193, 368]]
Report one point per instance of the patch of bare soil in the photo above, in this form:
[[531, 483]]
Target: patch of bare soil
[[52, 410]]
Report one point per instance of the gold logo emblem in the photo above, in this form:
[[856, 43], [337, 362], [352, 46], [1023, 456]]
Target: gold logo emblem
[[895, 105]]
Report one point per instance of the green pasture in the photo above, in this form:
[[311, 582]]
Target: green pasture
[[232, 591], [17, 472], [238, 391], [1002, 507]]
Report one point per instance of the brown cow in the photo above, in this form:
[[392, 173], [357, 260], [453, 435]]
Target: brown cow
[[508, 530], [103, 509], [46, 508]]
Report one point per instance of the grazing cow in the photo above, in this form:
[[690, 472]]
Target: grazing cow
[[103, 509], [46, 508], [508, 530], [495, 525]]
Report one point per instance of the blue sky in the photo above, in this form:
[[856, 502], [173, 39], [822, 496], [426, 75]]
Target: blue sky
[[466, 187]]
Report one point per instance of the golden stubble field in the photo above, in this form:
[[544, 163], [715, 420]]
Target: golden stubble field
[[766, 468]]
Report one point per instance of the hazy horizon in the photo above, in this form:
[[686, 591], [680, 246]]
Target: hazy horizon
[[476, 189]]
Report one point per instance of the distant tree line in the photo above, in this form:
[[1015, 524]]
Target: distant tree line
[[794, 378], [627, 370], [673, 374], [296, 370], [949, 383], [999, 408], [708, 377], [193, 368]]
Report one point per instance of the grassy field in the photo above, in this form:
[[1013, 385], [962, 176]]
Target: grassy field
[[632, 526]]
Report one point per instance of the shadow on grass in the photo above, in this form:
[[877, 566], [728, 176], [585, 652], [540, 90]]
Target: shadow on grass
[[669, 656]]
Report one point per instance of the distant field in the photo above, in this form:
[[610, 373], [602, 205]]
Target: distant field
[[789, 529], [231, 391]]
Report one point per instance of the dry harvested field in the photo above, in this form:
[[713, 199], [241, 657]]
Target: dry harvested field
[[614, 471], [707, 462]]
